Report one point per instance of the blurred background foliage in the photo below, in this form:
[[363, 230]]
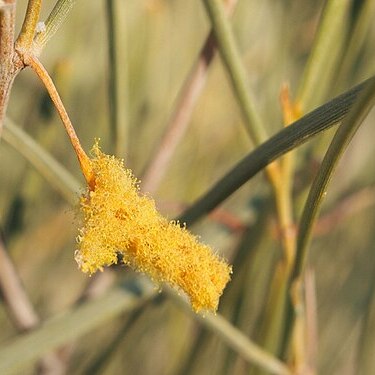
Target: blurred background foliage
[[160, 40]]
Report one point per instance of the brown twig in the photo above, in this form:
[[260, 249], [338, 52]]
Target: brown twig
[[8, 67], [179, 119]]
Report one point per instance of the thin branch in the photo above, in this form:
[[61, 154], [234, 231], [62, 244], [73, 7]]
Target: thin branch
[[25, 39], [7, 24], [181, 115], [7, 71]]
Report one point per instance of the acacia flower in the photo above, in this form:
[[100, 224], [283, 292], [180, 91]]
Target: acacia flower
[[119, 220]]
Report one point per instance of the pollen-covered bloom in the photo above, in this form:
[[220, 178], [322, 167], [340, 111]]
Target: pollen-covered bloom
[[118, 219]]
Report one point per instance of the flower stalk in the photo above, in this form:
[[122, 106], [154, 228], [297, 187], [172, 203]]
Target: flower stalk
[[83, 159]]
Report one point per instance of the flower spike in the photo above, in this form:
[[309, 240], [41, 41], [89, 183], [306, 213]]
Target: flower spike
[[119, 220]]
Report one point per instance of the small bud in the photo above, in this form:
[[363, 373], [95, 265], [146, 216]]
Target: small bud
[[40, 27]]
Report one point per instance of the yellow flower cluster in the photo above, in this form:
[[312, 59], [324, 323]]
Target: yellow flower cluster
[[118, 219]]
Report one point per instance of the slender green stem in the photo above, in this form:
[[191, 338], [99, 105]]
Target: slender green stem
[[52, 24], [26, 37], [285, 140], [236, 70], [321, 61], [318, 189], [358, 34]]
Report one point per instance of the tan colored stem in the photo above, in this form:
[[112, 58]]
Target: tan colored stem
[[83, 159], [7, 72]]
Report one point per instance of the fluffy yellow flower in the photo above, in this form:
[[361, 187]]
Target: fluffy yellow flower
[[118, 219]]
